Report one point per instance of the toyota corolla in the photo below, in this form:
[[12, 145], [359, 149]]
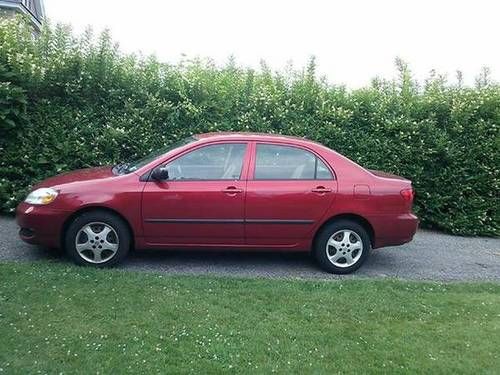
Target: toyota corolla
[[235, 191]]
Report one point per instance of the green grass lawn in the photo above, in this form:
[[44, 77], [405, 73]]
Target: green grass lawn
[[59, 318]]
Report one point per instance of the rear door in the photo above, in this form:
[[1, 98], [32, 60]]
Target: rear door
[[202, 202], [288, 192]]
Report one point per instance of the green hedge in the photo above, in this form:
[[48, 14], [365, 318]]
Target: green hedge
[[71, 101]]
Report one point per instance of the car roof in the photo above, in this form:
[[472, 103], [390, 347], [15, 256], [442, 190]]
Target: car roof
[[252, 136]]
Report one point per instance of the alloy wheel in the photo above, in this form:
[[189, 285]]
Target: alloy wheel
[[344, 248], [97, 242]]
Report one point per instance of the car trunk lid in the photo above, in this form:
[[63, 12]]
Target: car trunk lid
[[387, 175]]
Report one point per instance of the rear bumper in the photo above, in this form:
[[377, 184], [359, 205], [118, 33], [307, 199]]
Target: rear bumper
[[393, 230], [40, 225]]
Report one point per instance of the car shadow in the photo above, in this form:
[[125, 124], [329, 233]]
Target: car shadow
[[184, 261], [222, 261], [270, 263]]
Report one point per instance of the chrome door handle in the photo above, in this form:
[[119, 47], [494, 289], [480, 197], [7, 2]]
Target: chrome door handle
[[232, 190], [321, 189]]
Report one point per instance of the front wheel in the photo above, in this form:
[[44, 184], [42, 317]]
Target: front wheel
[[342, 247], [97, 238]]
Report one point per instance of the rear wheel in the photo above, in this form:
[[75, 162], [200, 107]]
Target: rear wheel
[[342, 247], [97, 238]]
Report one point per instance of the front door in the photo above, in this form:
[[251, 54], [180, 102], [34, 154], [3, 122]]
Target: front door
[[202, 201], [288, 191]]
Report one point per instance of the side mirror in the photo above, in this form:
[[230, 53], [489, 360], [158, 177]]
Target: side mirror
[[160, 174]]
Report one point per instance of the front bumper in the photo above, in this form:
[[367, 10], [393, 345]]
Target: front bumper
[[40, 225]]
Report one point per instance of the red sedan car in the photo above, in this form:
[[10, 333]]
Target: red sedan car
[[224, 190]]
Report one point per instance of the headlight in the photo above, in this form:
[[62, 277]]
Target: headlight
[[41, 196]]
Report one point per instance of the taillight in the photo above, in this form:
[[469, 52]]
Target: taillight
[[408, 194]]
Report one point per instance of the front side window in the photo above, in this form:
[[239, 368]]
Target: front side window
[[214, 162], [288, 163]]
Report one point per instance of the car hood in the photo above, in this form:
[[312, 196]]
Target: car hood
[[77, 176]]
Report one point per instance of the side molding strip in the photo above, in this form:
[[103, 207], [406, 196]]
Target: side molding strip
[[197, 221], [273, 221], [228, 221]]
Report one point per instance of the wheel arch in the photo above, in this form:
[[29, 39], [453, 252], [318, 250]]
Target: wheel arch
[[85, 209], [348, 216]]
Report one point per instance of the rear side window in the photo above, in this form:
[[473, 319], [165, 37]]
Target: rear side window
[[214, 162], [274, 162]]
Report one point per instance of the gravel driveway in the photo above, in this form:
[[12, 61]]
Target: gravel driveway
[[431, 256]]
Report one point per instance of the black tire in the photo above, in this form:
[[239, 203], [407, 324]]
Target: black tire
[[116, 223], [320, 251]]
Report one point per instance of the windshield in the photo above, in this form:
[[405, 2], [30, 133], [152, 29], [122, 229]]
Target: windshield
[[135, 165]]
